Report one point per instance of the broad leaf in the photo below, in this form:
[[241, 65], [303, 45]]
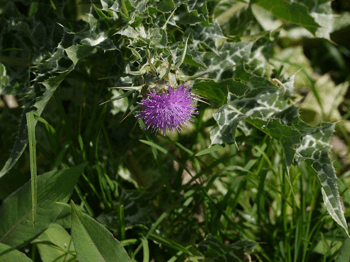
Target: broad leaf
[[235, 19], [321, 11], [261, 100], [344, 253], [210, 36], [92, 241], [194, 12], [166, 6], [314, 146], [16, 227], [231, 56], [291, 12], [217, 91], [9, 254], [55, 244], [77, 52]]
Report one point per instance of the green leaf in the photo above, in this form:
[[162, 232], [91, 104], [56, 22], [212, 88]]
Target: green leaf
[[210, 150], [237, 19], [51, 85], [217, 91], [130, 92], [195, 12], [264, 46], [344, 253], [100, 13], [91, 36], [20, 143], [26, 41], [110, 5], [57, 62], [169, 243], [132, 32], [77, 52], [314, 146], [32, 157], [211, 90], [92, 241], [261, 100], [158, 38], [210, 36], [55, 244], [9, 254], [182, 58], [193, 60], [126, 8], [291, 12], [64, 218], [16, 228], [321, 11], [330, 192], [145, 247], [166, 6], [230, 56], [286, 135]]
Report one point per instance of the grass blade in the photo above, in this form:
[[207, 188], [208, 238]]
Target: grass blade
[[32, 156]]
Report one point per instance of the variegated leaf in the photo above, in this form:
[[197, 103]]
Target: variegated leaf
[[265, 107]]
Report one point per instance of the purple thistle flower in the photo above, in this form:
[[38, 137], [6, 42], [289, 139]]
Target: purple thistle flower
[[168, 110]]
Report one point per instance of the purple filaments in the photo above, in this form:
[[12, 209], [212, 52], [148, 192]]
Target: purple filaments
[[168, 110]]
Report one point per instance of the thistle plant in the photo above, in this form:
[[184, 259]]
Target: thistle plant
[[168, 109]]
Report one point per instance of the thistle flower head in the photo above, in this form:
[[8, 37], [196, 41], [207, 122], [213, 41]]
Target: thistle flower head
[[168, 110]]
